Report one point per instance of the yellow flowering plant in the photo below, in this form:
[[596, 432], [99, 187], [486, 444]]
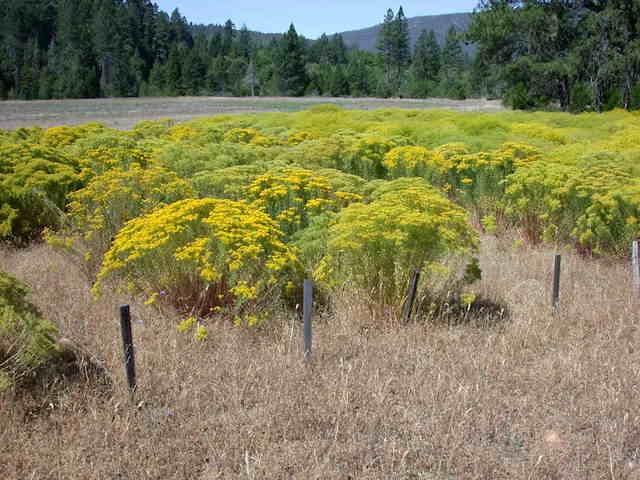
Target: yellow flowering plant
[[366, 156], [375, 247], [97, 212], [292, 195], [206, 255]]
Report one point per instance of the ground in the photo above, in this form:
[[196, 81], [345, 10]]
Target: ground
[[124, 113]]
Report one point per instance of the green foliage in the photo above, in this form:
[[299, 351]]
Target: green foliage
[[574, 55], [35, 182], [374, 247], [26, 339]]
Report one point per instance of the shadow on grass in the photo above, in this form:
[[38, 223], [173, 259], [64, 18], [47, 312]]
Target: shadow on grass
[[73, 369], [481, 313]]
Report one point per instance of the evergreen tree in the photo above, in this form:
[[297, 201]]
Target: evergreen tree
[[290, 67], [425, 67], [245, 45], [385, 45], [393, 43], [228, 34], [452, 82]]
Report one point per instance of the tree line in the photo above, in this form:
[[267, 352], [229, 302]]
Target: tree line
[[575, 55], [106, 48]]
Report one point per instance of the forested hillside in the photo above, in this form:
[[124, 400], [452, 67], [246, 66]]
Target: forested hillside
[[367, 38], [102, 48]]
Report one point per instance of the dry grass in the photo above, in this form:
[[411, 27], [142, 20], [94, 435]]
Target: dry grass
[[535, 396], [126, 112]]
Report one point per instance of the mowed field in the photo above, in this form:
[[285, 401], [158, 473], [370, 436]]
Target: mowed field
[[124, 113]]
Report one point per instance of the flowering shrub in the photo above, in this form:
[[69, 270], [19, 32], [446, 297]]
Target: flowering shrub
[[374, 247], [299, 137], [366, 157], [291, 196], [240, 135], [593, 204], [98, 211], [206, 255], [229, 182], [415, 161]]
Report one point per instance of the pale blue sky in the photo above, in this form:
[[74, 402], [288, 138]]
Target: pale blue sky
[[311, 18]]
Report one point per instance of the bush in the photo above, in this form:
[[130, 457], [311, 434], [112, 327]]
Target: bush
[[26, 339], [202, 255], [98, 211], [409, 225], [292, 195], [34, 185]]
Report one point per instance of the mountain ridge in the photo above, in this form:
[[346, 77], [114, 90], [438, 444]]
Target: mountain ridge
[[366, 38]]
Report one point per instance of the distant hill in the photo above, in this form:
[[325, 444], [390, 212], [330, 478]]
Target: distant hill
[[365, 39], [262, 39]]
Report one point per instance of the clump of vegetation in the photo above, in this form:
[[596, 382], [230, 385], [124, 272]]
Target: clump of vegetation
[[374, 247], [27, 341], [36, 180], [205, 256]]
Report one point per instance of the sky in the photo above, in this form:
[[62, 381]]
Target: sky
[[311, 18]]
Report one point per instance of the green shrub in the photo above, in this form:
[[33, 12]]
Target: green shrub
[[26, 339], [34, 184], [409, 225]]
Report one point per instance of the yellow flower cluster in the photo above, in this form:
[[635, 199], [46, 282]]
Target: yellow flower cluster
[[205, 251], [292, 195]]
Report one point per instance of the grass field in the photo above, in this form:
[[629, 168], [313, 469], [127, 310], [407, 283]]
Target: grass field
[[506, 388], [514, 392], [126, 112]]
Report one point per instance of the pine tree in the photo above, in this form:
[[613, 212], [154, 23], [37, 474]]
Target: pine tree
[[452, 83], [385, 44], [290, 69], [393, 43], [245, 45], [425, 67], [228, 34]]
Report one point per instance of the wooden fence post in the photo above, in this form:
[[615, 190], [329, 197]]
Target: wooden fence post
[[635, 264]]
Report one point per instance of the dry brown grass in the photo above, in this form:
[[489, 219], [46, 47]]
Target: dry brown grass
[[536, 396]]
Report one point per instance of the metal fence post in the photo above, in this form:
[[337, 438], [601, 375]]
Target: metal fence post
[[307, 308], [556, 282], [127, 343], [411, 297]]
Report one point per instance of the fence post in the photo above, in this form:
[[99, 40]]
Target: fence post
[[127, 343], [307, 308], [411, 297], [635, 264], [556, 282]]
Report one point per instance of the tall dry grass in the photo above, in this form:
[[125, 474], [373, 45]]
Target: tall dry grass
[[524, 395]]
